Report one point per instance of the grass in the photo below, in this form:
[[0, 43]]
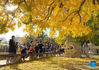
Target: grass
[[55, 63]]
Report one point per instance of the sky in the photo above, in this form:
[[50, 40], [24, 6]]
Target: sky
[[17, 32]]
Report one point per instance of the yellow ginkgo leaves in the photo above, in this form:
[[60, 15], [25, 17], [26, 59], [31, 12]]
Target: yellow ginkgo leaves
[[65, 16]]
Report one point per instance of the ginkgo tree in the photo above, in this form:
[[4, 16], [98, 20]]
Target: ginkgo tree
[[65, 16]]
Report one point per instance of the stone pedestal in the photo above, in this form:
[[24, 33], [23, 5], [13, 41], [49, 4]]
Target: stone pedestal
[[72, 49]]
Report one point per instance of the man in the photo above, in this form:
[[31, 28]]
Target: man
[[12, 50], [37, 48], [12, 45]]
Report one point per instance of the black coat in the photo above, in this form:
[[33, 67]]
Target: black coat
[[40, 46], [12, 46]]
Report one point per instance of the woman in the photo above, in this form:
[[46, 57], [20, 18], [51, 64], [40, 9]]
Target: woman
[[31, 50], [55, 49]]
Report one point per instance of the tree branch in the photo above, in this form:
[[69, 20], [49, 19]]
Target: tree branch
[[15, 11], [80, 17], [69, 15], [80, 9], [81, 5], [98, 1], [94, 2], [47, 16], [5, 3], [77, 11]]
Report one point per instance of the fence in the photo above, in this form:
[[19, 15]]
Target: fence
[[17, 58]]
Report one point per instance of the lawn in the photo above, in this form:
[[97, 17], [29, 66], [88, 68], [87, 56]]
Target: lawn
[[55, 63]]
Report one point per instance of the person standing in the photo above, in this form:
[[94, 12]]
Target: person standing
[[12, 45], [84, 48], [87, 48], [12, 50]]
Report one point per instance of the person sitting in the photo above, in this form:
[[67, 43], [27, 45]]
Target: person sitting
[[43, 47], [46, 47], [62, 48], [23, 51], [40, 45], [37, 48], [52, 47], [56, 49], [31, 49]]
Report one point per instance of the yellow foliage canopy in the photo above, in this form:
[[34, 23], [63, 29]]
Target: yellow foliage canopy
[[64, 16]]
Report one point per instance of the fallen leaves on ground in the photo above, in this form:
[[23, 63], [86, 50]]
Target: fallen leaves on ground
[[55, 63]]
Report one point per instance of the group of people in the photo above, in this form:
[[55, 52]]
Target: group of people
[[34, 47]]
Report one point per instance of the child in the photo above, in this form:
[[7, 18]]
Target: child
[[23, 51]]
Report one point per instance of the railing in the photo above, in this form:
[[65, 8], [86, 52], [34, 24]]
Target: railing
[[94, 50], [17, 58], [95, 47]]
